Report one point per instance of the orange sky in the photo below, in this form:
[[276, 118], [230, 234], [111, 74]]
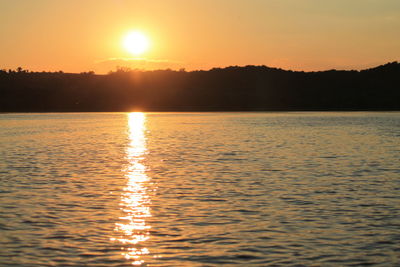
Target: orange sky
[[76, 35]]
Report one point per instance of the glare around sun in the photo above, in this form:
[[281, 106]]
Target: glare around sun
[[136, 43]]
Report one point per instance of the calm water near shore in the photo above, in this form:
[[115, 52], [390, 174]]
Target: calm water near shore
[[200, 189]]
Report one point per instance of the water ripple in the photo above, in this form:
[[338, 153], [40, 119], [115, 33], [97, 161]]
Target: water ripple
[[209, 189]]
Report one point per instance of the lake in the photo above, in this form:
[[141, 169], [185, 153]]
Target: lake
[[200, 189]]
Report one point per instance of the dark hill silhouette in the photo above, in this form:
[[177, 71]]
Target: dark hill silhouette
[[249, 88]]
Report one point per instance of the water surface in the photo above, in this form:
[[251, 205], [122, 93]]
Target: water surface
[[200, 189]]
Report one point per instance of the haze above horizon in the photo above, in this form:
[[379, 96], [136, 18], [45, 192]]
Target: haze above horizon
[[76, 36]]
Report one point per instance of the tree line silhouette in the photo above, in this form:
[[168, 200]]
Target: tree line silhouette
[[249, 88]]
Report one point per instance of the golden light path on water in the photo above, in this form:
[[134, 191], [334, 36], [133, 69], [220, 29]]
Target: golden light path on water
[[135, 201]]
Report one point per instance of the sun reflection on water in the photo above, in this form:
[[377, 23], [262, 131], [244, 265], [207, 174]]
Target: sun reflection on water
[[132, 228]]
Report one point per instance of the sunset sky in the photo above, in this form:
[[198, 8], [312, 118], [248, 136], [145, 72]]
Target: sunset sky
[[76, 35]]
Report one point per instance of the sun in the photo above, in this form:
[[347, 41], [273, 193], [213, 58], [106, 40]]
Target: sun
[[136, 43]]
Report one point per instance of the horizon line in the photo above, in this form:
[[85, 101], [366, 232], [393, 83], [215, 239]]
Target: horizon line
[[129, 69]]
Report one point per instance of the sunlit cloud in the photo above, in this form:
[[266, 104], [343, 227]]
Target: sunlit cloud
[[111, 64], [136, 59]]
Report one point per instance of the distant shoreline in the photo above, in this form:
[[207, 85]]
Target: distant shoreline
[[231, 89], [209, 111]]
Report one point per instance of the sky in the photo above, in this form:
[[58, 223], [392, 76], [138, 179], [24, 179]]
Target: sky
[[310, 35]]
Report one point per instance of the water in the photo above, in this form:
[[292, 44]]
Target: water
[[200, 189]]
